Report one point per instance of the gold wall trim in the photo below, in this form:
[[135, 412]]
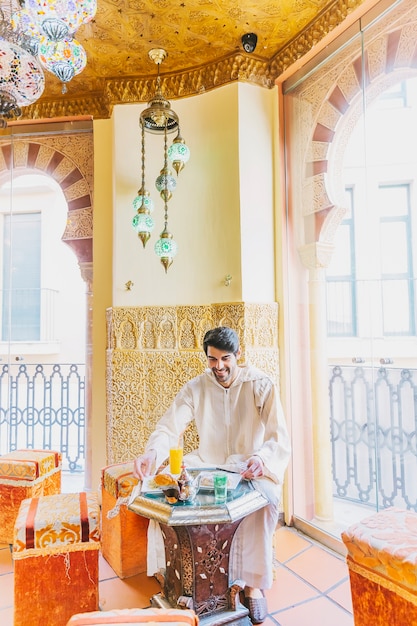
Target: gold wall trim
[[319, 28], [153, 351]]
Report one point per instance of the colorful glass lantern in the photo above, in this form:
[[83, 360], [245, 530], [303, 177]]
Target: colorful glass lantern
[[59, 19], [21, 21], [143, 224], [166, 248], [178, 153], [65, 58], [21, 79], [165, 184], [143, 198]]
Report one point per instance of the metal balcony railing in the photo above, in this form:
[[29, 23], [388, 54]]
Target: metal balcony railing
[[43, 407], [374, 435], [373, 415]]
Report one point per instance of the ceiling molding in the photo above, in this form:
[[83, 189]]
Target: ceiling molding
[[237, 66]]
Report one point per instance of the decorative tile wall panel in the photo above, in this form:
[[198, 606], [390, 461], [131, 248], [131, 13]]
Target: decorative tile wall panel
[[153, 351]]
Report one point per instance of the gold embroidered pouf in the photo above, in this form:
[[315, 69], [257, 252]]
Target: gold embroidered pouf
[[382, 561], [55, 552], [124, 534], [25, 474], [162, 617]]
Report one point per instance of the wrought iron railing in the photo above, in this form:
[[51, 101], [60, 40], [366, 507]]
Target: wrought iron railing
[[43, 407], [373, 425], [374, 435]]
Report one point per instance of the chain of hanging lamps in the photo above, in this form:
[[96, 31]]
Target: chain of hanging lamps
[[37, 34], [159, 119]]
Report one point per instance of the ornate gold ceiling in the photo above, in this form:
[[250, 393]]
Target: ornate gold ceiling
[[203, 42]]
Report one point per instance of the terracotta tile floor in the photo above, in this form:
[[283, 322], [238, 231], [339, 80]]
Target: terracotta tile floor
[[311, 587]]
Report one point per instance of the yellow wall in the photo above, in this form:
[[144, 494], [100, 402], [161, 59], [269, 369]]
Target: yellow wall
[[206, 210], [102, 294], [222, 221]]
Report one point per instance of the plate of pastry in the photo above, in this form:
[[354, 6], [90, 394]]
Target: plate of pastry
[[155, 484]]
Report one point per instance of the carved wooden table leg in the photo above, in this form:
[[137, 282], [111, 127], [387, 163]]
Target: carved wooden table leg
[[197, 571]]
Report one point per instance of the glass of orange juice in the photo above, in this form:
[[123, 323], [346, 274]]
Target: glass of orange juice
[[175, 460]]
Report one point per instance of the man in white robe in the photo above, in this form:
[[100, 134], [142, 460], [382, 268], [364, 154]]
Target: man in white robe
[[239, 418]]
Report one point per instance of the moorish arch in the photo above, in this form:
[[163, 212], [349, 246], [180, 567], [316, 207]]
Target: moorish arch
[[67, 159], [389, 56]]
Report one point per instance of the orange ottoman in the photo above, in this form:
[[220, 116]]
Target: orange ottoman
[[25, 474], [164, 617], [123, 533], [382, 561], [55, 552]]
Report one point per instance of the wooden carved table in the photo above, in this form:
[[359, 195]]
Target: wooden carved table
[[198, 537]]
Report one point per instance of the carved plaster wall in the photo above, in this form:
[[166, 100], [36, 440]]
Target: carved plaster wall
[[153, 351]]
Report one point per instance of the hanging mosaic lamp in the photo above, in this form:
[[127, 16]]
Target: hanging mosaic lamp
[[178, 153], [59, 19], [165, 184], [143, 199], [22, 21], [65, 58], [143, 222], [21, 79], [166, 248], [158, 118], [143, 204]]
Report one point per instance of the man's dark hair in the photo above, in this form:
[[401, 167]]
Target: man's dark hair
[[222, 338]]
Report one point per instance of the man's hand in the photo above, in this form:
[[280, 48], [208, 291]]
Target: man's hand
[[144, 464], [254, 469]]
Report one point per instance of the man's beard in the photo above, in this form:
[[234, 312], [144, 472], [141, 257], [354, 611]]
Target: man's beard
[[223, 376]]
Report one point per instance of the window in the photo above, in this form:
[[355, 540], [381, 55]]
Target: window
[[341, 286], [21, 302], [396, 260]]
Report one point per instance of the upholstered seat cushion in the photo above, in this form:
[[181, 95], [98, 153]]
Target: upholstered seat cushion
[[55, 552], [168, 617], [57, 523], [118, 479], [28, 465], [382, 561], [25, 474], [121, 528], [386, 544]]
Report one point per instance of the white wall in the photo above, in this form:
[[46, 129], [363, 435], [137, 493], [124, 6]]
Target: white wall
[[257, 131], [64, 328]]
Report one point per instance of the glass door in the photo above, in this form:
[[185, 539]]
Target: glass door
[[351, 311]]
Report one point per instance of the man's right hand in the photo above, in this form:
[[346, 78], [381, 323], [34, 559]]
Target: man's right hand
[[144, 464]]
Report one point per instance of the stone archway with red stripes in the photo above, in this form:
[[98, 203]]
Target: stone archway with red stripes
[[390, 55], [67, 158]]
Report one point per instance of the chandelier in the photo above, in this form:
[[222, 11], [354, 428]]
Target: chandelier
[[159, 119], [21, 77], [36, 34], [60, 19]]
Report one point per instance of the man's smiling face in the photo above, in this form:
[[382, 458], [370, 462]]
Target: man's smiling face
[[223, 365]]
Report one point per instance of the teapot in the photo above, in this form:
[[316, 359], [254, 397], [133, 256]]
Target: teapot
[[188, 485]]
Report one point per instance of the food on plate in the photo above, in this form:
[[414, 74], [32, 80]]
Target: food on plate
[[172, 493], [162, 480]]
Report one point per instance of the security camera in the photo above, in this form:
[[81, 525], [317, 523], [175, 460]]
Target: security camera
[[249, 41]]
